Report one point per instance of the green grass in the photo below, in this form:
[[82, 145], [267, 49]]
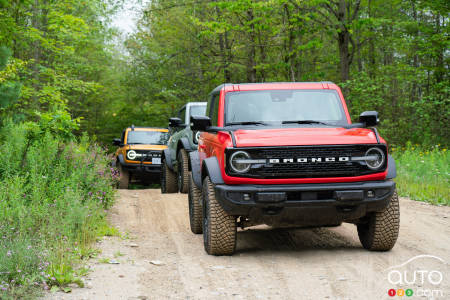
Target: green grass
[[141, 186], [118, 254], [423, 174], [53, 199], [104, 260], [104, 229]]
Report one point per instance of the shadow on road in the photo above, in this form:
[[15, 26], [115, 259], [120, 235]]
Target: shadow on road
[[268, 239]]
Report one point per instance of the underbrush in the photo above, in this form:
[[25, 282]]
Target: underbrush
[[53, 196], [423, 174]]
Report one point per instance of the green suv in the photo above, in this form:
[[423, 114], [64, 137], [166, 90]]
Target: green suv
[[175, 159]]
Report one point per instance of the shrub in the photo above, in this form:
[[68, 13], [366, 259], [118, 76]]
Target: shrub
[[53, 194]]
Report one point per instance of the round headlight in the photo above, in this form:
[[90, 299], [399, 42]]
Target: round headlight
[[131, 154], [197, 136], [375, 158], [236, 163]]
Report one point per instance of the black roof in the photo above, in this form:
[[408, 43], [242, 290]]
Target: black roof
[[220, 87], [145, 127]]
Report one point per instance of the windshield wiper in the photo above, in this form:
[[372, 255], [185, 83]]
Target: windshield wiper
[[247, 123], [306, 122]]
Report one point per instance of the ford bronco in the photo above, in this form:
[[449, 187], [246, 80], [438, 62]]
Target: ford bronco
[[139, 153], [287, 154], [174, 177]]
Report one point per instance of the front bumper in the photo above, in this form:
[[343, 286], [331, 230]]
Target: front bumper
[[305, 204], [142, 168]]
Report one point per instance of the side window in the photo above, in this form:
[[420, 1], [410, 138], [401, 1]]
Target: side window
[[182, 114], [208, 107], [214, 110]]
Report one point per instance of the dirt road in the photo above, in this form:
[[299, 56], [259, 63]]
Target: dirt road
[[162, 259]]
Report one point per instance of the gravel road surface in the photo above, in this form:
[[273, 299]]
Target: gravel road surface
[[162, 259]]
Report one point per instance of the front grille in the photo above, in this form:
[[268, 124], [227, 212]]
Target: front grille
[[147, 155], [309, 169]]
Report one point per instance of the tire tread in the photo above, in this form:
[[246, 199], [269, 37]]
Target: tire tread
[[381, 232], [170, 180], [183, 164], [124, 179], [221, 239], [195, 207]]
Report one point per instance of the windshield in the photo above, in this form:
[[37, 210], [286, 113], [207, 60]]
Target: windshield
[[282, 106], [197, 110], [147, 137]]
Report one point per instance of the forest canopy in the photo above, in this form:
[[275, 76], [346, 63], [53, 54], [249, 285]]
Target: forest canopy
[[389, 56]]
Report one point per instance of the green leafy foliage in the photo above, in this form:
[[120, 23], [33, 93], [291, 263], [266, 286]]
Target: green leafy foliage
[[423, 174], [57, 122], [61, 57], [53, 194], [389, 56], [386, 55], [9, 90]]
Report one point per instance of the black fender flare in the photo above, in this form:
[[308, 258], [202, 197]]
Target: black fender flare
[[167, 158], [392, 169], [196, 171], [211, 168], [185, 143]]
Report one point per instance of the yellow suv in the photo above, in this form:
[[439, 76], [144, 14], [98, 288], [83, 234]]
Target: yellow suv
[[139, 154]]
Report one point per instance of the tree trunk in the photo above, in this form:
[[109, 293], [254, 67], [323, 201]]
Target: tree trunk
[[35, 23], [251, 63], [414, 89], [289, 57], [440, 68], [372, 60], [343, 41], [227, 57], [262, 53], [358, 53], [223, 52], [344, 55]]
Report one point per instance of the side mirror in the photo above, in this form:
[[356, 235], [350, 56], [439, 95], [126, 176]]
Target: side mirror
[[175, 122], [117, 142], [200, 123], [369, 118]]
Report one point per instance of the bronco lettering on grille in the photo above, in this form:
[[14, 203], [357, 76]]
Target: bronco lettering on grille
[[309, 159]]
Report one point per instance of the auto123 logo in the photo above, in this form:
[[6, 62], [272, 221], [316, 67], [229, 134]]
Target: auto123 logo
[[422, 276]]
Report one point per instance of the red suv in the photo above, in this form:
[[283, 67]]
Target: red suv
[[287, 154]]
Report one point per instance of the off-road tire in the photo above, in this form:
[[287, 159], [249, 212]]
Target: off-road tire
[[183, 171], [124, 179], [195, 207], [381, 231], [219, 228], [168, 179]]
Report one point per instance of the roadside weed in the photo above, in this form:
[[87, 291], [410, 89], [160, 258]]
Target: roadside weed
[[104, 229], [423, 174], [118, 254], [104, 260], [53, 196]]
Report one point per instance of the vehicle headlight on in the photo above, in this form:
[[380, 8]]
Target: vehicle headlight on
[[375, 158], [196, 135], [131, 154], [240, 162]]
